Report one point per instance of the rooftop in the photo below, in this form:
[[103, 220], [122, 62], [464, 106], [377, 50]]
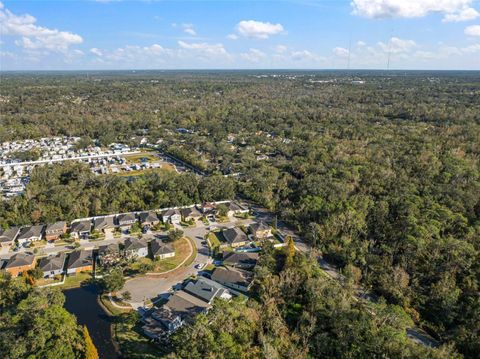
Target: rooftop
[[79, 259], [20, 260], [52, 263], [234, 235]]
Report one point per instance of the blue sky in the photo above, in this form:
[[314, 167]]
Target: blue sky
[[310, 34]]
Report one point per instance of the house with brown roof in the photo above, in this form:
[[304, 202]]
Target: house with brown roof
[[135, 247], [126, 221], [55, 230], [19, 263], [234, 208], [235, 237]]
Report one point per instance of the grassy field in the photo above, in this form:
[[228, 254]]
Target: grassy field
[[182, 251], [164, 166], [137, 158], [76, 280]]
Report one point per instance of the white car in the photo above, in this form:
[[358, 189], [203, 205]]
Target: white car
[[200, 266]]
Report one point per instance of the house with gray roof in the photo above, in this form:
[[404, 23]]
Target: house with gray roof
[[235, 237], [80, 261], [191, 214], [161, 250], [108, 254], [30, 234], [104, 224], [242, 260], [148, 218], [235, 208], [135, 247], [52, 265], [261, 230], [234, 278], [181, 307], [80, 229], [207, 290], [7, 236], [126, 220], [172, 215]]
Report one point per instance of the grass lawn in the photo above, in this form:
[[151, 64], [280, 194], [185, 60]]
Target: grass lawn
[[137, 158], [163, 166], [213, 240], [133, 344], [76, 280], [44, 281], [105, 301], [182, 251]]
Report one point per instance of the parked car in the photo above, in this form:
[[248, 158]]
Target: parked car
[[200, 266]]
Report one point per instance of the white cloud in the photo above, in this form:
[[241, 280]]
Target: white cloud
[[468, 13], [232, 36], [188, 29], [96, 52], [280, 49], [302, 55], [257, 29], [341, 52], [204, 48], [473, 30], [361, 43], [453, 10], [253, 55], [32, 36], [396, 45]]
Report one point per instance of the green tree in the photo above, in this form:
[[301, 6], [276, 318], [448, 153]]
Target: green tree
[[90, 349]]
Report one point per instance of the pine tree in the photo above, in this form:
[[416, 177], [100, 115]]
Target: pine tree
[[289, 251], [90, 350]]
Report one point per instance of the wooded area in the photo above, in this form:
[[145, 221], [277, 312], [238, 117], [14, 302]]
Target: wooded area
[[382, 177]]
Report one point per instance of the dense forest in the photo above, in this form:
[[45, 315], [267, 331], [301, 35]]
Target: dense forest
[[383, 177], [34, 324]]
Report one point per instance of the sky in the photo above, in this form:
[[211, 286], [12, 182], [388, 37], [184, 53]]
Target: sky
[[296, 34]]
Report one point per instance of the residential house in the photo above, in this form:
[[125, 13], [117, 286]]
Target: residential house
[[235, 237], [261, 230], [181, 307], [19, 263], [126, 220], [52, 265], [80, 261], [209, 208], [234, 208], [135, 248], [108, 254], [207, 290], [80, 229], [104, 224], [191, 214], [234, 278], [55, 230], [244, 260], [161, 250], [172, 215], [148, 219], [30, 234], [7, 236]]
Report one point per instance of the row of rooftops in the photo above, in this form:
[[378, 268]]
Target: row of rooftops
[[76, 259], [106, 222]]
